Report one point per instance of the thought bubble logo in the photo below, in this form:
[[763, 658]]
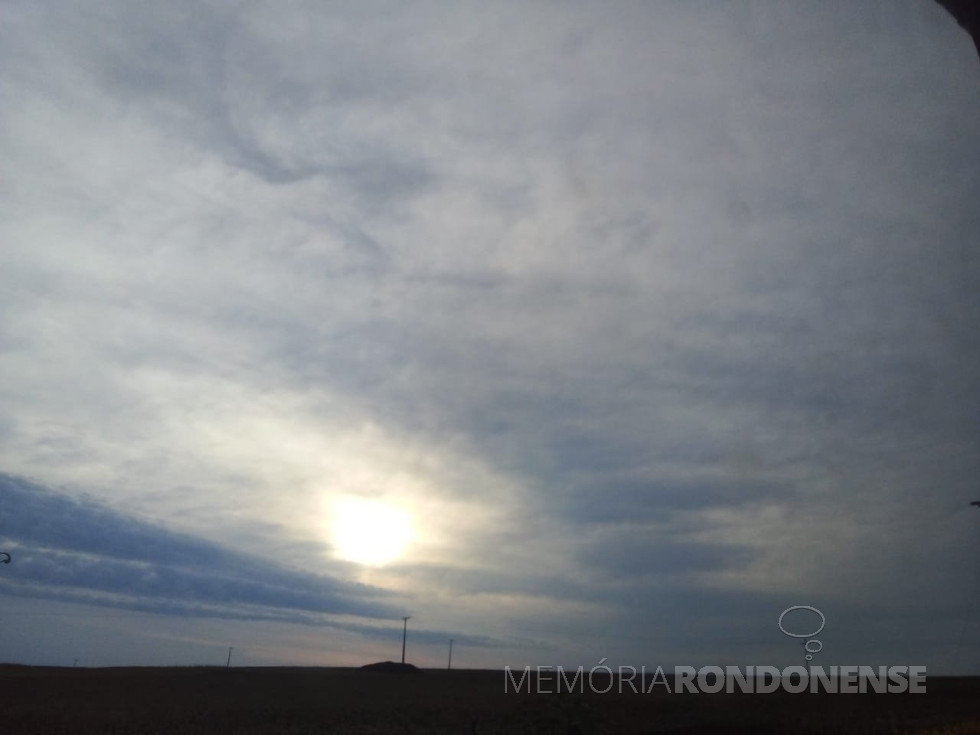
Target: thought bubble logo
[[811, 646]]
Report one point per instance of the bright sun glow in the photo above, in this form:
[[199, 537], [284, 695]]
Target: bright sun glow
[[369, 532]]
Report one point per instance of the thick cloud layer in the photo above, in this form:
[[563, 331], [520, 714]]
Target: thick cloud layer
[[79, 551], [654, 319]]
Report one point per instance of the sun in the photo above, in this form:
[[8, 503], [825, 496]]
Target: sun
[[370, 532]]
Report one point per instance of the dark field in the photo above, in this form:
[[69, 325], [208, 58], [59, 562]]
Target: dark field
[[311, 700]]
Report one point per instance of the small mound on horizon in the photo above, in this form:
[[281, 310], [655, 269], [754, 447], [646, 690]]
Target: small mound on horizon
[[390, 667]]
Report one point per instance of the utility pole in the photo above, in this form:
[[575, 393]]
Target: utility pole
[[228, 662], [969, 611], [404, 634], [450, 666]]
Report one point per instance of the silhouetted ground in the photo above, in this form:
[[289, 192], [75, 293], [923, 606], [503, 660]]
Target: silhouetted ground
[[245, 701], [390, 667]]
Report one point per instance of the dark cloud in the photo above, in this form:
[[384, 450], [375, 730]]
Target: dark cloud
[[607, 501], [82, 546], [637, 555], [78, 550]]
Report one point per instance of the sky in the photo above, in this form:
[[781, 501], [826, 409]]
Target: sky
[[573, 331]]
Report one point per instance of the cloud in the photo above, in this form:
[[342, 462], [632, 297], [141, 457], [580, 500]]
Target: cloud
[[78, 550], [80, 545], [652, 301]]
